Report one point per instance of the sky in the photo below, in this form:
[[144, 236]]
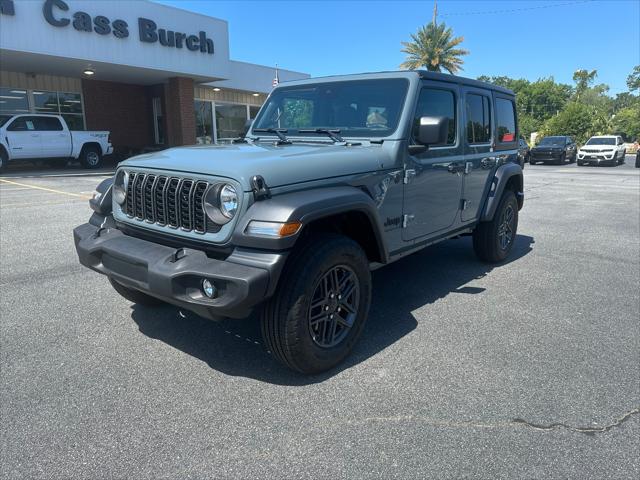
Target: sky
[[522, 39]]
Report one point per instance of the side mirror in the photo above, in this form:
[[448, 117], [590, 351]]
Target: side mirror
[[433, 130]]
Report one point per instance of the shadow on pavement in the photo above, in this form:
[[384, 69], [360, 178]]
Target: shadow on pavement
[[234, 347], [43, 169]]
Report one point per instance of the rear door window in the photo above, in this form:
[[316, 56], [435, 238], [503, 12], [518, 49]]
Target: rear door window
[[478, 119], [505, 120], [48, 124]]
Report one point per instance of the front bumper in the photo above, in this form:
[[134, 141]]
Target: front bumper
[[244, 279], [592, 157], [545, 157]]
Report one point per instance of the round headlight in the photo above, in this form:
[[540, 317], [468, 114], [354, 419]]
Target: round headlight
[[120, 187], [221, 202], [228, 201]]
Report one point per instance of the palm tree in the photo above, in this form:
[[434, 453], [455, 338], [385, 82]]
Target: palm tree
[[434, 48]]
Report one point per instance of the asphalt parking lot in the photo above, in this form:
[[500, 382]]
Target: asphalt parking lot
[[530, 369]]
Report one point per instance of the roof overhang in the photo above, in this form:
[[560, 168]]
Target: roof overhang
[[74, 67]]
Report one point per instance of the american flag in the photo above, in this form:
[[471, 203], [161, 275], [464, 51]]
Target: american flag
[[276, 79]]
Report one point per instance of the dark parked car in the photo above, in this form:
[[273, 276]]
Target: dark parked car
[[523, 151], [557, 150]]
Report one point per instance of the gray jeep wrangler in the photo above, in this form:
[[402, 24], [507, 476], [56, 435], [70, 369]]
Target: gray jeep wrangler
[[336, 177]]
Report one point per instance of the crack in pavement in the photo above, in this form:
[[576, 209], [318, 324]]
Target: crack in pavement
[[512, 423], [585, 430]]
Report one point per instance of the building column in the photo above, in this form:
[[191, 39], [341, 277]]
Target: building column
[[180, 116]]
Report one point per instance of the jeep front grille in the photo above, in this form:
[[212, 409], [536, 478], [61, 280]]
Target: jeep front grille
[[168, 201]]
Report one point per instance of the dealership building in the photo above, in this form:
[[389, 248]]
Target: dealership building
[[153, 75]]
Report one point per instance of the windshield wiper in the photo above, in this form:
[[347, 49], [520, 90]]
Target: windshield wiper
[[279, 132], [333, 134]]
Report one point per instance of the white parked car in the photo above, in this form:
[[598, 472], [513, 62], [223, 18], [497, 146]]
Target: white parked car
[[607, 149], [40, 137]]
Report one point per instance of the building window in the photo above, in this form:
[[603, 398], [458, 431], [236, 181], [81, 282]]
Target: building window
[[230, 121], [69, 105], [204, 122], [13, 100], [218, 122], [253, 112]]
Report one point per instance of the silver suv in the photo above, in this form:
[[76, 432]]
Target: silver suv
[[336, 176]]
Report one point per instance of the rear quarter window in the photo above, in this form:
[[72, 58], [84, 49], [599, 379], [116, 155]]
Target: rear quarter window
[[505, 120]]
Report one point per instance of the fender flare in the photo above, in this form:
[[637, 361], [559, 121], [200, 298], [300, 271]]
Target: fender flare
[[503, 174], [305, 207], [102, 205]]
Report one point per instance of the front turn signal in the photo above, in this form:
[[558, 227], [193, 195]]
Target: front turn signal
[[272, 229]]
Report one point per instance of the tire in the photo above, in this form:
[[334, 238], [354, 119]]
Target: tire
[[580, 164], [614, 160], [91, 157], [622, 158], [574, 158], [4, 159], [296, 328], [488, 242], [562, 160], [135, 296]]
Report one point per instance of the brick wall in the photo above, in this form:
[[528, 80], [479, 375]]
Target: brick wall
[[125, 110], [180, 117]]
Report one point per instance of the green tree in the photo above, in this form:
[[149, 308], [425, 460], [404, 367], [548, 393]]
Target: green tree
[[627, 123], [625, 100], [583, 79], [434, 48], [577, 119], [633, 80]]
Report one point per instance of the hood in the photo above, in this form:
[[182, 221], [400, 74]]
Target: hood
[[548, 147], [597, 148], [279, 165]]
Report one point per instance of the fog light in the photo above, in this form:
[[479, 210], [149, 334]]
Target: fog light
[[209, 289]]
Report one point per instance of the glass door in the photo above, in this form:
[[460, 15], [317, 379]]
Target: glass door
[[158, 128]]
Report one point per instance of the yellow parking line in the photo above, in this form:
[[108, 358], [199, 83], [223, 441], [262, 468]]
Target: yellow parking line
[[35, 187]]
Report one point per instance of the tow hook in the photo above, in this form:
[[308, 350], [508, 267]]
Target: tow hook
[[178, 255]]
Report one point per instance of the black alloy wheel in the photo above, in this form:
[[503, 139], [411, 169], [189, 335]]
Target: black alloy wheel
[[334, 306], [321, 304], [506, 228]]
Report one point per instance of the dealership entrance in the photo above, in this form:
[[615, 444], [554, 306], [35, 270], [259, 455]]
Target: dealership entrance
[[154, 76]]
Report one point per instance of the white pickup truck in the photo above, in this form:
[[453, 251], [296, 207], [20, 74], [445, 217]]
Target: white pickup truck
[[47, 137]]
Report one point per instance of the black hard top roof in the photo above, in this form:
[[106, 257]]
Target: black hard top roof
[[441, 77]]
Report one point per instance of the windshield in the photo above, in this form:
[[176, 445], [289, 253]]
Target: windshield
[[601, 141], [552, 141], [4, 119], [358, 108]]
